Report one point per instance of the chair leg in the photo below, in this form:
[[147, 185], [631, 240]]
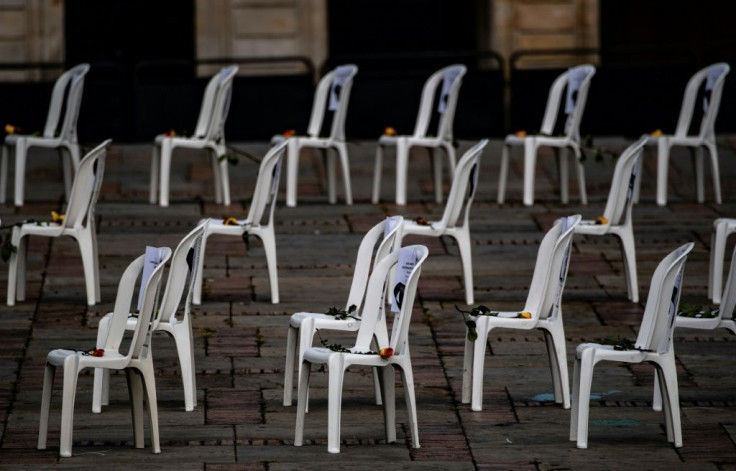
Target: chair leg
[[579, 165], [555, 338], [530, 162], [503, 175], [467, 370], [21, 149], [583, 380], [388, 391], [291, 354], [575, 400], [3, 174], [628, 253], [135, 391], [479, 353], [376, 195], [663, 158], [155, 164], [167, 147], [697, 157], [16, 269], [85, 239], [185, 350], [342, 151], [329, 160], [462, 236], [292, 170], [101, 375], [714, 168], [301, 407], [48, 386], [407, 379], [437, 173], [657, 394], [336, 368], [224, 184], [671, 400], [564, 174], [402, 164], [268, 237], [149, 384], [717, 255], [67, 406], [306, 337]]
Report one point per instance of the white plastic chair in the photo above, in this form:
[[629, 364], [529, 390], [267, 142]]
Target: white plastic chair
[[373, 324], [577, 79], [79, 223], [450, 78], [544, 313], [137, 361], [333, 93], [66, 95], [183, 269], [714, 77], [722, 228], [304, 325], [264, 194], [462, 192], [208, 135], [653, 345], [617, 214]]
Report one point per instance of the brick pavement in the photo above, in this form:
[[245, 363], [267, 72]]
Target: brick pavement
[[240, 424]]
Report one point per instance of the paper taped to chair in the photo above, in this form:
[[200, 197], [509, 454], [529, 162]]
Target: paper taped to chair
[[338, 81], [710, 82], [448, 79], [574, 82], [150, 262], [388, 226], [407, 261]]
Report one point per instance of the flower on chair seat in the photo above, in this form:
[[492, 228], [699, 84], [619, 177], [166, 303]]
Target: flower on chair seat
[[525, 315], [170, 133], [290, 133], [520, 133], [389, 131], [57, 218], [601, 220], [656, 133], [11, 129], [386, 353], [230, 221]]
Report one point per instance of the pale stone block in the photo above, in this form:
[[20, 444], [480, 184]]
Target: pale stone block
[[269, 22], [545, 16]]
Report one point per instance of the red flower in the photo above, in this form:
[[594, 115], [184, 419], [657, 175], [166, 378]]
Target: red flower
[[99, 352], [290, 133], [386, 353]]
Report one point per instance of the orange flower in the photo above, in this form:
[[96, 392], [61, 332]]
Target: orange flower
[[98, 352], [525, 315], [601, 220], [56, 217], [422, 221], [170, 133], [389, 131], [656, 133], [10, 129], [520, 133], [290, 133], [386, 353], [230, 221]]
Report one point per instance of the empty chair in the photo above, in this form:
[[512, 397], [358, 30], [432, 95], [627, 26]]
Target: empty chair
[[209, 135], [304, 325], [67, 96], [541, 311], [393, 351], [714, 77], [576, 81], [450, 78], [136, 362], [722, 228], [264, 195], [333, 93], [462, 192], [653, 345], [78, 222], [616, 219], [181, 276]]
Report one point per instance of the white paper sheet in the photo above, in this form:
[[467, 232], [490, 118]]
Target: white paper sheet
[[150, 262], [574, 81], [407, 261], [448, 79], [338, 81]]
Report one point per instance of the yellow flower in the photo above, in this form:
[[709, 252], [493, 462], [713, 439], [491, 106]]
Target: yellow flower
[[290, 133], [525, 315], [389, 131], [520, 133], [230, 221], [601, 220], [56, 217], [656, 133], [10, 129], [386, 353]]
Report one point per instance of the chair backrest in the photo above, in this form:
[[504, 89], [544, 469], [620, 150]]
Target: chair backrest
[[267, 185], [663, 300], [332, 92], [714, 77], [388, 232], [728, 300], [370, 314], [126, 296], [215, 105], [183, 268], [464, 186], [67, 94], [86, 188], [620, 196], [550, 270], [450, 78], [576, 81]]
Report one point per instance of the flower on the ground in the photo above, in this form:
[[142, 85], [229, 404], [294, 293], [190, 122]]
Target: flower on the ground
[[230, 221], [601, 220], [520, 133], [389, 131], [525, 315], [56, 217], [170, 133], [290, 133], [656, 133], [386, 353], [11, 129]]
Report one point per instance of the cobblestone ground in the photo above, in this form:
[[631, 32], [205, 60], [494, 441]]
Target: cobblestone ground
[[240, 423]]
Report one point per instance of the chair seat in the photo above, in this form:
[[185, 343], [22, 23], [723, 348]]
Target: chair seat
[[321, 355], [47, 229], [688, 141], [32, 141], [218, 227], [58, 356], [608, 352], [324, 321], [590, 227]]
